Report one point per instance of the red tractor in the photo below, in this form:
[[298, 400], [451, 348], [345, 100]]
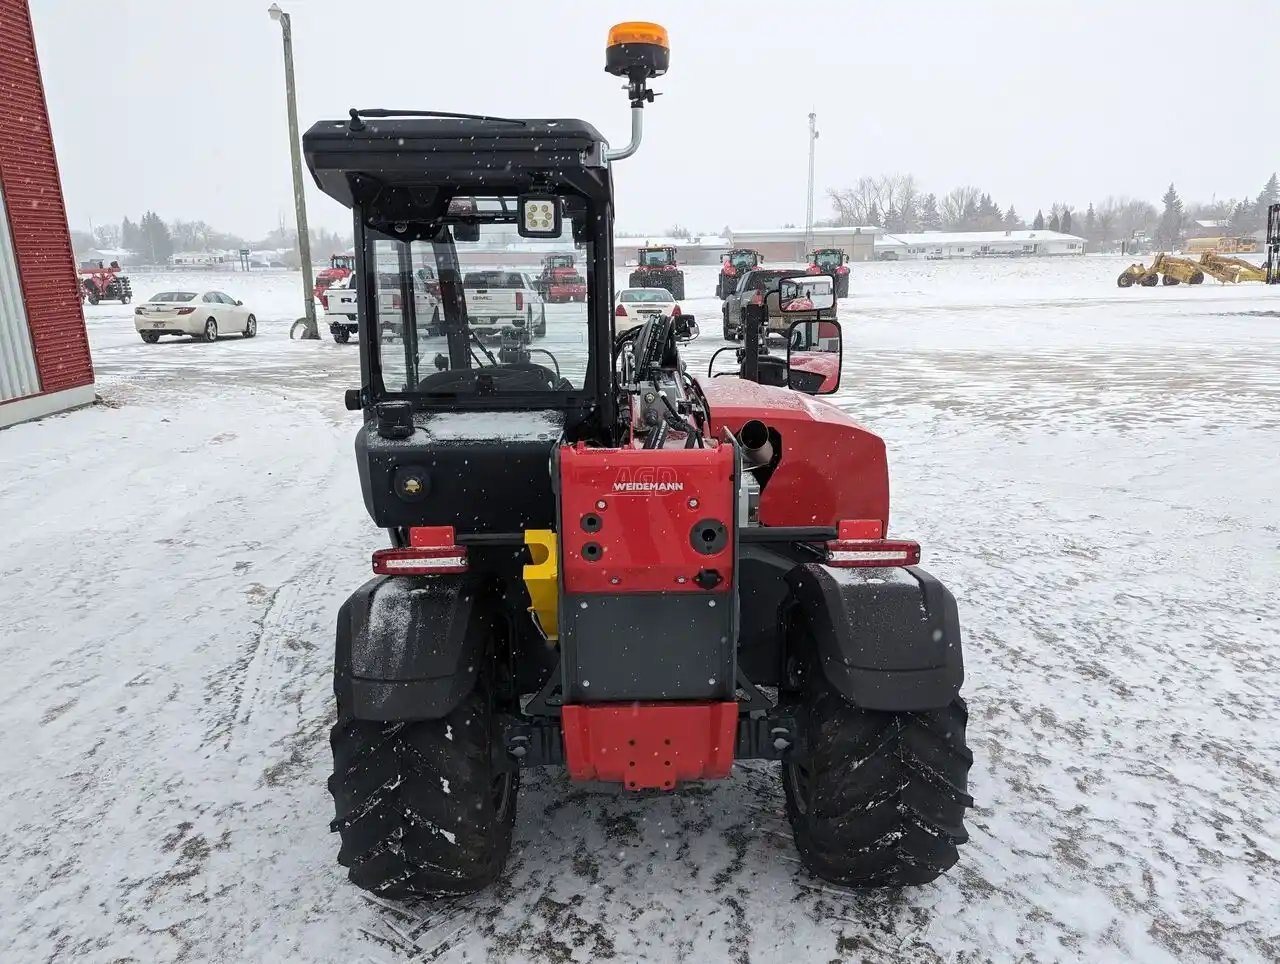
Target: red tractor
[[598, 561], [98, 283], [734, 265], [832, 261], [340, 268], [657, 268], [561, 281]]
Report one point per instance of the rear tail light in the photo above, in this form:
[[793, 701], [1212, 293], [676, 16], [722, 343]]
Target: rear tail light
[[185, 311], [858, 544], [396, 302], [620, 312], [420, 562], [757, 299], [519, 301], [431, 551], [675, 312]]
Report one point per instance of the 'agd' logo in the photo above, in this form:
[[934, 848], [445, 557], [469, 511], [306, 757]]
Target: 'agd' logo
[[648, 480]]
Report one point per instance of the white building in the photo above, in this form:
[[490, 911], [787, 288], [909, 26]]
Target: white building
[[942, 245]]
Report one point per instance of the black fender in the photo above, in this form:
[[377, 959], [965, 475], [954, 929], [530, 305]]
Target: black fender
[[887, 639], [408, 647]]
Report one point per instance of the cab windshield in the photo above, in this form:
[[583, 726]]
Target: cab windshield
[[742, 259], [655, 259], [828, 259], [465, 314]]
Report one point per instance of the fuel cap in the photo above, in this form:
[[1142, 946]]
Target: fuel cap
[[411, 483]]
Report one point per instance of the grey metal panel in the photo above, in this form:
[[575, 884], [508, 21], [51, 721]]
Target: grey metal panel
[[18, 375], [649, 646]]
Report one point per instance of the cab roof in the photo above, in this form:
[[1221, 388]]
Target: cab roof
[[353, 164]]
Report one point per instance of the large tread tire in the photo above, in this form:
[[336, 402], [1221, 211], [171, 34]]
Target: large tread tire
[[677, 288], [419, 808], [879, 798]]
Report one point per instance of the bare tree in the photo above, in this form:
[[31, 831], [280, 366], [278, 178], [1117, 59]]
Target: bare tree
[[885, 192], [1127, 215], [106, 236], [958, 205]]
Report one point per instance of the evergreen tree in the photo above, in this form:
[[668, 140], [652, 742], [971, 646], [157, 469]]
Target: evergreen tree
[[1270, 193], [131, 237], [1169, 232], [930, 216], [1054, 223], [157, 245], [873, 216], [1090, 223], [1011, 220], [1242, 218], [1066, 221], [1038, 223]]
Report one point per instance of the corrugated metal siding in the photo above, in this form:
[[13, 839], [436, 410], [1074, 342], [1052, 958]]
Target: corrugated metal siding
[[18, 376], [37, 216]]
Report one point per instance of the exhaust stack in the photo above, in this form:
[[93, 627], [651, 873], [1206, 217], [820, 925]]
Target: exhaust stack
[[757, 450]]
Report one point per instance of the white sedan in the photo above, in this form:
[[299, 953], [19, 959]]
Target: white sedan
[[204, 316], [638, 305]]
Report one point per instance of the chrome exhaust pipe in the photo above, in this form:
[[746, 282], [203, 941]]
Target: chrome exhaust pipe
[[757, 450]]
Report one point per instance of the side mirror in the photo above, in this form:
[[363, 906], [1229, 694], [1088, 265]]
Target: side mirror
[[239, 303], [815, 355], [812, 293], [685, 327]]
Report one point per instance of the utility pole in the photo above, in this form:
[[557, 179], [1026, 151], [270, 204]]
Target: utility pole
[[304, 327], [808, 211]]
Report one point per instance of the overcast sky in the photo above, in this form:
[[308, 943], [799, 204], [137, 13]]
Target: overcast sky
[[178, 105]]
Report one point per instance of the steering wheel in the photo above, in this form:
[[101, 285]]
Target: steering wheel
[[521, 377]]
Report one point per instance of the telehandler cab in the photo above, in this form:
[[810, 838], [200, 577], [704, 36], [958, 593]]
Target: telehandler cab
[[598, 561]]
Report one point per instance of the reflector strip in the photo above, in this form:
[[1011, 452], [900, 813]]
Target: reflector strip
[[420, 561], [856, 553]]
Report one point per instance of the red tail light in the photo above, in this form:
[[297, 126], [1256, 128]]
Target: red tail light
[[431, 551], [519, 301], [757, 299], [859, 545], [396, 302], [865, 553], [185, 311], [324, 302], [420, 562], [620, 312], [675, 313]]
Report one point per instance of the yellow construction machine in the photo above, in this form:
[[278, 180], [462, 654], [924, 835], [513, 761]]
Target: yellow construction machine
[[1166, 268], [1231, 270]]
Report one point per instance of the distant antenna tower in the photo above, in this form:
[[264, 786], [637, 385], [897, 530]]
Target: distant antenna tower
[[808, 211]]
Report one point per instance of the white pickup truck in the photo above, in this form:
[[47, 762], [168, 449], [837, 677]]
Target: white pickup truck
[[341, 311], [498, 299]]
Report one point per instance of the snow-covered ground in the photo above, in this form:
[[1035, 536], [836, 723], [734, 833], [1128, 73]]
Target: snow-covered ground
[[1092, 471]]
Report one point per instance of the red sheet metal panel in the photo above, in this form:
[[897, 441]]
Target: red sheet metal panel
[[37, 215], [646, 520], [649, 745]]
